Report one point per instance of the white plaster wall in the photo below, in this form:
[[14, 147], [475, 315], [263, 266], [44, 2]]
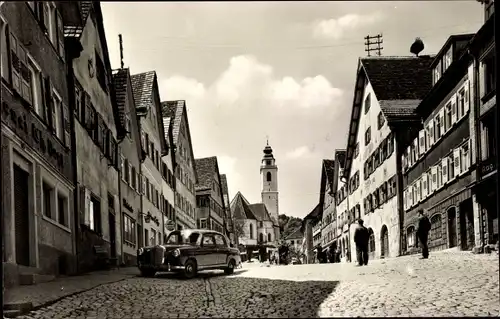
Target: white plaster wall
[[246, 239], [387, 213]]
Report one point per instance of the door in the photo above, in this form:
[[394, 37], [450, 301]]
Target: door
[[385, 242], [222, 249], [112, 234], [21, 211], [452, 227], [207, 255], [146, 237], [139, 236]]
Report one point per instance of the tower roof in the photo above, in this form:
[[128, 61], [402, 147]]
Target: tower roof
[[268, 151]]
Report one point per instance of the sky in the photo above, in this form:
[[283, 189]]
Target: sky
[[283, 70]]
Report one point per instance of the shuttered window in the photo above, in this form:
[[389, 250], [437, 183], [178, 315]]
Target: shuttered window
[[21, 76]]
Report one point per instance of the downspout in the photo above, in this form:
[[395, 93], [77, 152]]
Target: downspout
[[399, 178], [73, 50], [477, 121]]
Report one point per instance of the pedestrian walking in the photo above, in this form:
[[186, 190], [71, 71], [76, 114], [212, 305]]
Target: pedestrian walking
[[361, 238], [424, 226]]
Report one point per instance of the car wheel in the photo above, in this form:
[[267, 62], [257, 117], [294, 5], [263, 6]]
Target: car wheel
[[148, 272], [229, 270], [190, 269]]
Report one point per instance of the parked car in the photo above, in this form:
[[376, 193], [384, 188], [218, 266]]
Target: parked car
[[189, 251]]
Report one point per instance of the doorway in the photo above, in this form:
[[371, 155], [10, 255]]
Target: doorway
[[21, 218], [467, 239], [452, 227], [384, 238], [112, 234]]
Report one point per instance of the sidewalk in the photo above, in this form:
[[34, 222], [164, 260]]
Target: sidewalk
[[27, 298]]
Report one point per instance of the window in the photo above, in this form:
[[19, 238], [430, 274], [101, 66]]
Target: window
[[219, 240], [436, 74], [251, 231], [129, 232], [430, 134], [268, 176], [410, 235], [208, 240], [437, 126], [448, 58], [153, 237], [100, 71], [203, 223], [47, 200], [367, 103], [439, 176], [465, 158], [356, 150], [368, 136], [59, 33], [445, 170], [268, 162], [4, 58], [62, 209], [447, 117], [456, 159], [490, 76], [95, 215], [380, 120], [126, 171], [269, 237], [57, 115], [436, 227]]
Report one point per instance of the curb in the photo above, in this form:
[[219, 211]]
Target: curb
[[53, 301]]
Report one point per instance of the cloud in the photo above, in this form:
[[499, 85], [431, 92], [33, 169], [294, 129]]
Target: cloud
[[299, 152], [311, 92], [337, 28], [182, 88]]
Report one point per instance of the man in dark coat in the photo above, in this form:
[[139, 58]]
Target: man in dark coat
[[424, 226], [361, 238]]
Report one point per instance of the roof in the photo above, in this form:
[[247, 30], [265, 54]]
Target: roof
[[260, 212], [142, 85], [166, 126], [297, 234], [174, 110], [400, 110], [205, 168], [240, 208], [452, 38], [119, 81], [399, 78], [73, 29], [223, 180]]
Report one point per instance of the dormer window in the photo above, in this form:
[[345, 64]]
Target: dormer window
[[448, 59], [436, 73]]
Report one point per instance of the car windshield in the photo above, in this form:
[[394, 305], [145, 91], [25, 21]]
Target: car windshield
[[183, 237]]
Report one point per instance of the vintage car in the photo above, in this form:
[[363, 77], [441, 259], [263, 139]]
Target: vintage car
[[189, 251]]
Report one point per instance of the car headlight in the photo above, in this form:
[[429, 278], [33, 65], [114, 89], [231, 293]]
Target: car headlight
[[176, 253], [140, 251]]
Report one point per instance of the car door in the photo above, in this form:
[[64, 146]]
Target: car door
[[222, 249], [207, 256]]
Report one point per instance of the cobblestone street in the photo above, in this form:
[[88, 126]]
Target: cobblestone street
[[447, 284]]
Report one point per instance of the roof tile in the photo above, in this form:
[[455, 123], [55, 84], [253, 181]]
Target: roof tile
[[240, 208], [120, 85], [205, 169], [142, 86]]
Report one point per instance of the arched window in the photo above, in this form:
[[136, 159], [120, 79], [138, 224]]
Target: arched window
[[410, 237], [268, 176], [436, 227], [251, 231], [371, 241], [261, 237], [269, 237]]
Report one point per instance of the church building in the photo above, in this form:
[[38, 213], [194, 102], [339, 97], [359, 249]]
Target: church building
[[256, 225]]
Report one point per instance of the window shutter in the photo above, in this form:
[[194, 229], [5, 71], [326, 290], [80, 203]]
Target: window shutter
[[49, 102], [390, 145], [441, 119], [86, 207], [457, 160], [410, 159], [66, 125], [454, 109], [417, 150], [444, 170], [15, 64], [143, 185], [421, 138], [434, 178], [431, 133], [425, 183], [466, 97], [60, 34]]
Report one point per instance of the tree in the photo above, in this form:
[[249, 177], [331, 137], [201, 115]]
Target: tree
[[238, 229]]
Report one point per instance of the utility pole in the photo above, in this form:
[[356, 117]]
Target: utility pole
[[121, 50], [377, 43]]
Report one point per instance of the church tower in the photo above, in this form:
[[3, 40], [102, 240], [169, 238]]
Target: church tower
[[269, 176]]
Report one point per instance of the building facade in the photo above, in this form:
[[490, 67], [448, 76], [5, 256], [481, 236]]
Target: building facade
[[228, 215], [307, 228], [210, 208], [370, 179], [168, 183], [341, 203], [97, 130], [131, 156], [437, 164], [327, 202], [185, 169], [484, 105], [37, 149], [148, 106]]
